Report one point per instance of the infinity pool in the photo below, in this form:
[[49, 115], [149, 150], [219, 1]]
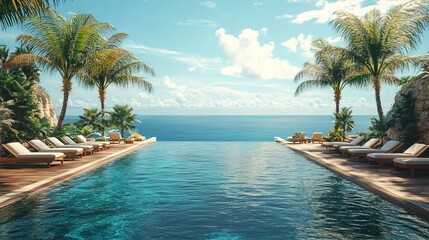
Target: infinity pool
[[209, 190]]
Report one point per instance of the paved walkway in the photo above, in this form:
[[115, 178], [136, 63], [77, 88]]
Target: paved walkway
[[17, 181], [410, 192]]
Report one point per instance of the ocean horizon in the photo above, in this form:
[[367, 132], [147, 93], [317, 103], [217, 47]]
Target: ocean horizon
[[234, 127]]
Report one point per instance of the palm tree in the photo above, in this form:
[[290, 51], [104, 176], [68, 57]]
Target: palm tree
[[15, 11], [330, 70], [344, 121], [115, 69], [91, 117], [379, 42], [64, 45], [122, 117]]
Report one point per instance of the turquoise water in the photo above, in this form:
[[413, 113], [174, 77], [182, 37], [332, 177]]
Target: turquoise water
[[209, 190], [235, 128]]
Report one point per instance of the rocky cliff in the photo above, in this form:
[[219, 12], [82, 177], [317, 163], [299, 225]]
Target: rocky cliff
[[45, 106], [420, 92]]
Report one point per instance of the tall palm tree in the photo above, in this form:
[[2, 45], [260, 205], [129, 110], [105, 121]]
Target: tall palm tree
[[379, 42], [122, 117], [331, 70], [15, 11], [115, 69], [64, 45]]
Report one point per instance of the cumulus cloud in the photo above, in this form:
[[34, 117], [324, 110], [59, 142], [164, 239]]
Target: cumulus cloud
[[301, 42], [333, 40], [248, 58], [257, 4], [208, 4], [217, 97], [194, 62], [325, 9]]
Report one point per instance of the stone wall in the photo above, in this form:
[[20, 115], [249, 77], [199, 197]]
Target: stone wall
[[45, 106], [420, 91]]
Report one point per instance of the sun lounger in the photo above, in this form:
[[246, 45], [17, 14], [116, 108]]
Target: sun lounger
[[317, 137], [42, 147], [355, 142], [115, 137], [411, 163], [58, 144], [414, 151], [68, 141], [82, 139], [372, 143], [20, 154], [389, 147], [298, 137]]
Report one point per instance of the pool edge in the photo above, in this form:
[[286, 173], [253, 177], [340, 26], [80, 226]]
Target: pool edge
[[414, 206], [31, 189]]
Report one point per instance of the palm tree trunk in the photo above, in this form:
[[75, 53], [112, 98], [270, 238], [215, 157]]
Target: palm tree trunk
[[67, 86], [122, 132], [102, 96], [337, 98], [377, 89]]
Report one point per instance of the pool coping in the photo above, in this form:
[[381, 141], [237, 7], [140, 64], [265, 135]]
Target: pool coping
[[418, 207], [31, 189]]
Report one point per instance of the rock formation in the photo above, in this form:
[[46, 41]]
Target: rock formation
[[45, 106], [420, 91]]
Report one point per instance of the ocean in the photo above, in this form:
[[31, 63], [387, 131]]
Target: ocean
[[234, 128]]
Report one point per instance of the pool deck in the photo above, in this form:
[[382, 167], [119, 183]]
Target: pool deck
[[18, 181], [399, 187]]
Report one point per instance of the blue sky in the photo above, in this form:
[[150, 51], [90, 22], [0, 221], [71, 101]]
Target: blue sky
[[221, 57]]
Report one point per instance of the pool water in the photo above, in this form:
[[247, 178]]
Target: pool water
[[209, 190]]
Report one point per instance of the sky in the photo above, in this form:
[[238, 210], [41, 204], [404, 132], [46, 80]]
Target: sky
[[221, 57]]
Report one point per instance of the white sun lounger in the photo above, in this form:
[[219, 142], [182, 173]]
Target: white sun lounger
[[58, 144], [20, 154], [82, 140], [68, 141], [414, 151], [370, 144], [411, 163], [69, 152], [390, 146], [355, 142]]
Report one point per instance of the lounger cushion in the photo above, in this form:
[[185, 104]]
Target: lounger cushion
[[65, 150], [343, 148], [390, 145], [16, 148], [389, 155], [39, 155], [415, 148], [55, 141], [368, 150], [412, 161]]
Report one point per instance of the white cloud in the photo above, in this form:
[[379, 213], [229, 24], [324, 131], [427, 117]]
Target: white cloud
[[333, 40], [263, 31], [326, 9], [291, 44], [257, 4], [198, 22], [217, 97], [301, 42], [248, 58], [194, 62], [208, 4], [285, 16]]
